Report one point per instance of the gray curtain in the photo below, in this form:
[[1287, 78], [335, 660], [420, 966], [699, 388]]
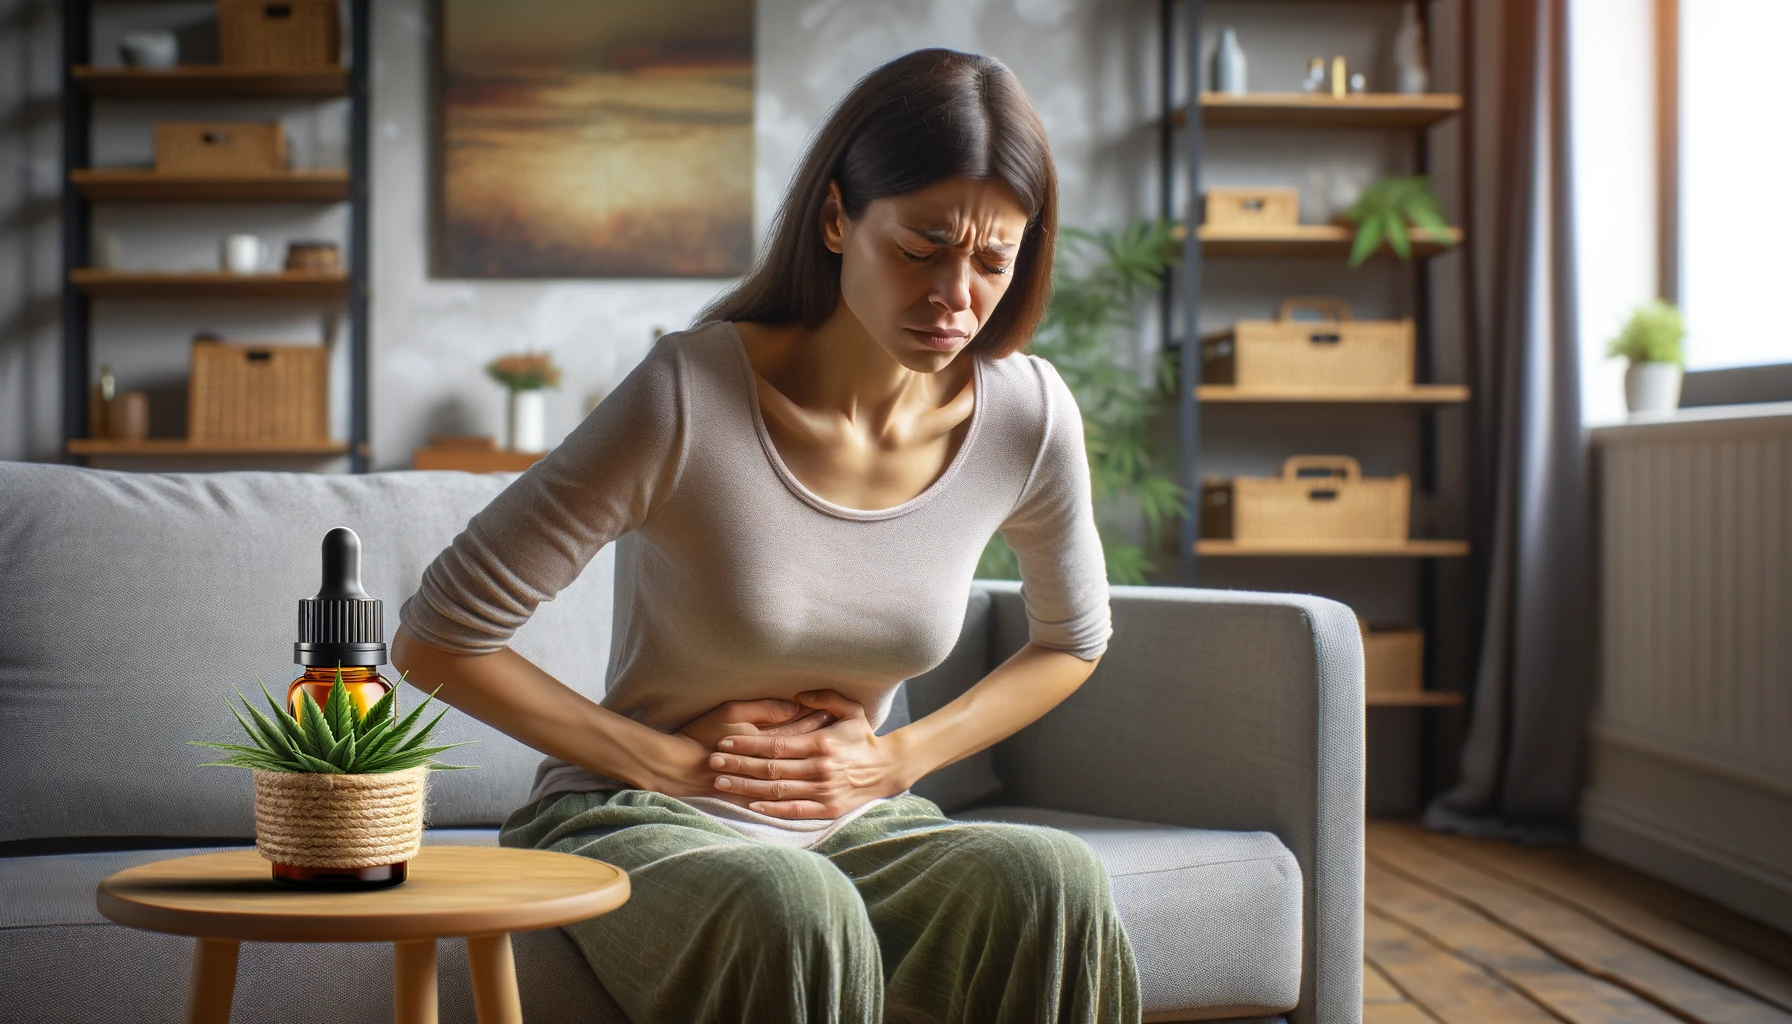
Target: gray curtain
[[1521, 761]]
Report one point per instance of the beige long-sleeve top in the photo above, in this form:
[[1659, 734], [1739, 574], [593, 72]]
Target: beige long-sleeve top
[[734, 581]]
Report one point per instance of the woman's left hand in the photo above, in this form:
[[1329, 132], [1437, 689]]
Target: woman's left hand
[[820, 774]]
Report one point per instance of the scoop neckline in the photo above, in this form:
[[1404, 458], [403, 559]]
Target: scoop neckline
[[802, 491]]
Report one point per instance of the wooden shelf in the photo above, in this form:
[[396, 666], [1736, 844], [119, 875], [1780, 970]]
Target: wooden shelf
[[1332, 549], [1419, 394], [140, 185], [212, 80], [1303, 241], [1321, 110], [124, 284], [1423, 699], [178, 446]]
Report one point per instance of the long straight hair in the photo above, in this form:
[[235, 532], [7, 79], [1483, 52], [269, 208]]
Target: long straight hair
[[923, 117]]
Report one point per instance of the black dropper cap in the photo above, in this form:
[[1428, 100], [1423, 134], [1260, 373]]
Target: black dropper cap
[[341, 625]]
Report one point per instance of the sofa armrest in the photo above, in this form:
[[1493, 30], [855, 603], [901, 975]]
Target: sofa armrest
[[1225, 710]]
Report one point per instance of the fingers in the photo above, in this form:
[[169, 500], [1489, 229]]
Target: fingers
[[776, 789], [774, 744], [791, 809], [833, 701], [808, 723], [769, 768], [764, 711]]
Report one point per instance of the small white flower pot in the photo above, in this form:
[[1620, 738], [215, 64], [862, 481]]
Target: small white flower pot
[[1652, 387], [528, 421]]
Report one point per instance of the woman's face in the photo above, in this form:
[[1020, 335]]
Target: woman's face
[[923, 272]]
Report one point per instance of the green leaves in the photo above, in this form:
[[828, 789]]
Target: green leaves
[[1652, 335], [1388, 210], [1098, 279], [335, 738]]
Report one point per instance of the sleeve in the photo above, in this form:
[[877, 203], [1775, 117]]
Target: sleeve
[[536, 537], [1064, 582]]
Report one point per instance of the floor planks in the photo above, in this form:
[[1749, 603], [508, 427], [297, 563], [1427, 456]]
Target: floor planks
[[1460, 930]]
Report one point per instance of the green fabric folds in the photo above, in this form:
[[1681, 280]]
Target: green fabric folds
[[902, 915]]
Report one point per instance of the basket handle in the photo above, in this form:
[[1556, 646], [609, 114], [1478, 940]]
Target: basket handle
[[1307, 467], [1328, 306]]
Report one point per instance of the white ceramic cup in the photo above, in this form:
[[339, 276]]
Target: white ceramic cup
[[150, 49], [242, 254]]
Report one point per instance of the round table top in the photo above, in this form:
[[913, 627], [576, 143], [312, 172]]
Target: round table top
[[449, 891]]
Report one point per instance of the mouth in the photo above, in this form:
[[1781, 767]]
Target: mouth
[[943, 339]]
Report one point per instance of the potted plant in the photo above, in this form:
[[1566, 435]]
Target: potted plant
[[1651, 341], [525, 375], [338, 793], [1388, 210]]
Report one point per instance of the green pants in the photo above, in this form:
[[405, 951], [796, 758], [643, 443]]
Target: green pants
[[902, 915]]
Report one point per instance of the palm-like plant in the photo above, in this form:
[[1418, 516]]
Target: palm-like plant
[[1098, 279], [333, 739], [1388, 210]]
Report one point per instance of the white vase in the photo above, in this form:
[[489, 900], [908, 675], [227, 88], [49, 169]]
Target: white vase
[[1228, 64], [1412, 71], [527, 421], [1652, 387]]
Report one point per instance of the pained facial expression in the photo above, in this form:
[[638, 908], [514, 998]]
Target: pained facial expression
[[923, 272]]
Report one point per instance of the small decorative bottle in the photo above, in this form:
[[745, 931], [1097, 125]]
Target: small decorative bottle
[[342, 628], [1228, 64]]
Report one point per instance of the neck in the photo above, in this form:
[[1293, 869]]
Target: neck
[[839, 367]]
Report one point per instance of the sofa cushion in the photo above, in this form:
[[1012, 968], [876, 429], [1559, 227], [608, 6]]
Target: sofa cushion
[[1214, 917], [132, 603]]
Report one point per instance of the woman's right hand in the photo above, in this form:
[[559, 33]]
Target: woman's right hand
[[684, 766]]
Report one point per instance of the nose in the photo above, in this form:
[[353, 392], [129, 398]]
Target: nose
[[951, 290]]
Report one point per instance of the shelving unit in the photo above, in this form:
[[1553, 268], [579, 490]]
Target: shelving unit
[[85, 185], [287, 284], [1184, 145]]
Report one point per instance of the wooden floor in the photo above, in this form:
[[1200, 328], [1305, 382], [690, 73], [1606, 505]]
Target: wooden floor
[[1460, 931]]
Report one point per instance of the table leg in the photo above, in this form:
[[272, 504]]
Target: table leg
[[213, 983], [495, 997], [414, 981]]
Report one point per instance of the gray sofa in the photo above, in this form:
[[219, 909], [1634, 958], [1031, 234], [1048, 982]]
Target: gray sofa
[[1214, 760]]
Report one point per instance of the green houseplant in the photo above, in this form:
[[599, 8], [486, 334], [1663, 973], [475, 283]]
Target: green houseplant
[[337, 792], [1098, 278], [1388, 211], [1651, 340]]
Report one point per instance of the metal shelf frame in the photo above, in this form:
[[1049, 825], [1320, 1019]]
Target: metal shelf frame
[[77, 219]]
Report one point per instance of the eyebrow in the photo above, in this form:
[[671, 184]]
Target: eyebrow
[[941, 236]]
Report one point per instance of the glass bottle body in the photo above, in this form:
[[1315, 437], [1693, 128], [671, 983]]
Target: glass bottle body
[[365, 687]]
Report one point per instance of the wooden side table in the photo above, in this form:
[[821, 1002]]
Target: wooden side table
[[479, 892], [472, 455]]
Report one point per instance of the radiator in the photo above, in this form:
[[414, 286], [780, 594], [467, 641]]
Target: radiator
[[1690, 753]]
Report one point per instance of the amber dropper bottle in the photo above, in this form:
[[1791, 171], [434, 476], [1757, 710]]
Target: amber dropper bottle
[[341, 629]]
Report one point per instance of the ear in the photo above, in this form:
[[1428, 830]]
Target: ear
[[833, 220]]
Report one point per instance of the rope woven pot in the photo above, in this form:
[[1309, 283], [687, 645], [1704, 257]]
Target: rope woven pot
[[342, 823]]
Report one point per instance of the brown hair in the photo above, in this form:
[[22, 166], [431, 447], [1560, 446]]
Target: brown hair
[[923, 117]]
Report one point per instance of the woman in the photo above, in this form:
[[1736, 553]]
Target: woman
[[799, 488]]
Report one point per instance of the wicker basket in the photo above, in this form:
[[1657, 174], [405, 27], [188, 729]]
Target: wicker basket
[[1333, 354], [288, 34], [258, 392], [1318, 500], [1247, 208], [1393, 661], [225, 148]]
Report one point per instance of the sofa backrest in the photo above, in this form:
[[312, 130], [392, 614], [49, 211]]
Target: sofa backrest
[[132, 603]]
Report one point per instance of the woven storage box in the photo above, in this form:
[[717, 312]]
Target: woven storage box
[[1394, 662], [258, 392], [1333, 354], [1252, 208], [1318, 499], [220, 147], [291, 34]]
